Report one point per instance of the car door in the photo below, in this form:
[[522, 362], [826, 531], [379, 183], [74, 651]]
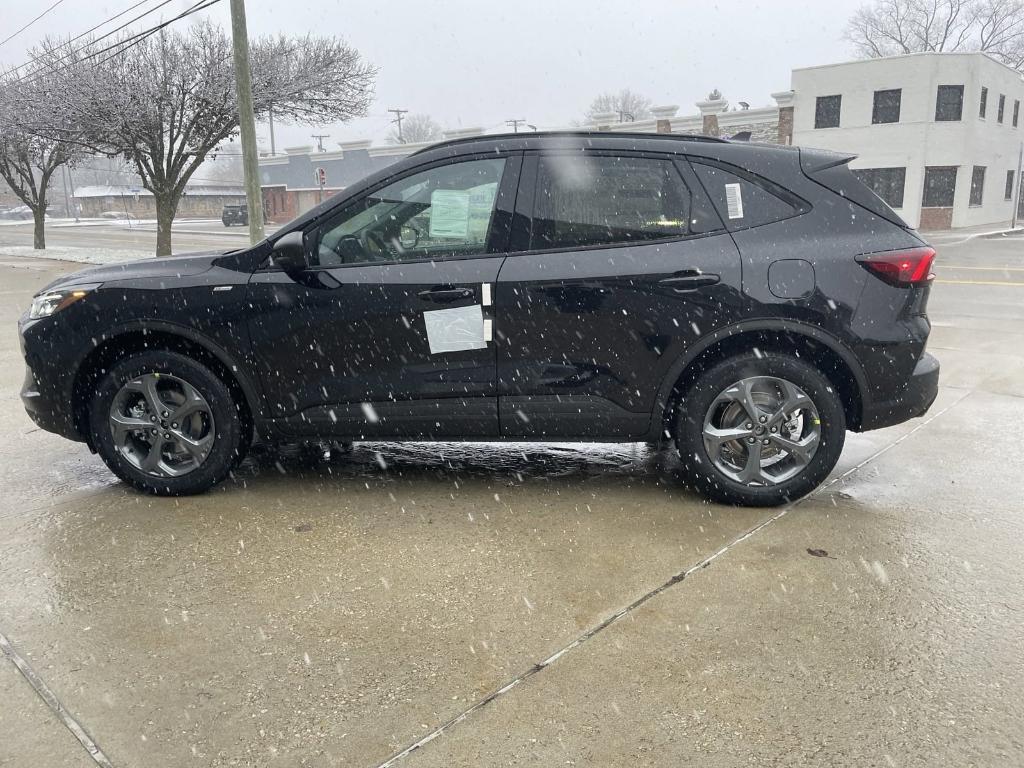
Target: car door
[[387, 333], [619, 264]]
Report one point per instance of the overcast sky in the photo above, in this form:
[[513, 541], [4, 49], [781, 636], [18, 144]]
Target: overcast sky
[[477, 63]]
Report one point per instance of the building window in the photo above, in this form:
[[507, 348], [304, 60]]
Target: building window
[[1001, 109], [949, 103], [977, 185], [887, 183], [983, 106], [887, 106], [826, 111], [1008, 194], [939, 187], [1016, 111]]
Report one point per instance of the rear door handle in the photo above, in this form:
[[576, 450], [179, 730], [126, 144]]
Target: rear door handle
[[689, 280], [445, 294]]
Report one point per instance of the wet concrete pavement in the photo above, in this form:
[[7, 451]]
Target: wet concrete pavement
[[342, 613]]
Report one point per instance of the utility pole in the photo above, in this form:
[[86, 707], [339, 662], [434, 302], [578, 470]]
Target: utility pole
[[270, 114], [320, 140], [623, 115], [247, 120], [67, 198], [515, 124], [398, 120], [1016, 202]]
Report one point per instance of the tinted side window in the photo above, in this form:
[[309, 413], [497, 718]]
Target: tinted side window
[[440, 212], [598, 200], [741, 200], [949, 102]]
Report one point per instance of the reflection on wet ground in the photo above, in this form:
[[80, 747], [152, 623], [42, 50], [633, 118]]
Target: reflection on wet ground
[[510, 461]]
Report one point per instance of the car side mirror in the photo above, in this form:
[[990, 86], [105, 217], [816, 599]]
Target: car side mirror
[[290, 253]]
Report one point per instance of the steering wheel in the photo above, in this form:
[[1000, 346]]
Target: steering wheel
[[377, 248]]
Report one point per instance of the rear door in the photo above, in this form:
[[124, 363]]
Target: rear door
[[619, 264], [389, 331]]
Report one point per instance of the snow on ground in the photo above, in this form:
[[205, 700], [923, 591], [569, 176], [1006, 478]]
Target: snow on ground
[[84, 255]]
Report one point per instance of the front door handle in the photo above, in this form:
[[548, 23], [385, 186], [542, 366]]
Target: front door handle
[[445, 293], [689, 280]]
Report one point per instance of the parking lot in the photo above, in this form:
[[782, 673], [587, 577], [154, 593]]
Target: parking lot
[[516, 604]]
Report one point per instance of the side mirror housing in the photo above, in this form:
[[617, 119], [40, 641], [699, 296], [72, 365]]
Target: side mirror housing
[[290, 253]]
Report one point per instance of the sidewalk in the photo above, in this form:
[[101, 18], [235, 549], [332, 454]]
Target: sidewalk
[[963, 234]]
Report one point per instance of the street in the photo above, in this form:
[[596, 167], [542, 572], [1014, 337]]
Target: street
[[526, 604], [140, 236]]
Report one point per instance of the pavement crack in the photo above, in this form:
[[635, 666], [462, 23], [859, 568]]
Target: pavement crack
[[50, 699], [669, 583]]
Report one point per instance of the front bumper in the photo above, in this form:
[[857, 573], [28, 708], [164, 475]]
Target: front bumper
[[915, 399], [46, 391]]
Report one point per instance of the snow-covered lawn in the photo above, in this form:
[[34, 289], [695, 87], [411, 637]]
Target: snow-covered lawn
[[85, 255]]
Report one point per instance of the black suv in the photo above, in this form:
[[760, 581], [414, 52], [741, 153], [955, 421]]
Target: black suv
[[749, 302], [235, 214]]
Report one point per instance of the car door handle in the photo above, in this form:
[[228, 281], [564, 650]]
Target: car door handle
[[445, 294], [689, 280]]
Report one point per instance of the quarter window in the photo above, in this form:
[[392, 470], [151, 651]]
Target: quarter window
[[741, 200], [438, 213], [887, 183], [601, 200], [983, 103], [939, 187], [977, 185], [1008, 193], [1001, 109], [949, 103], [826, 111], [887, 106]]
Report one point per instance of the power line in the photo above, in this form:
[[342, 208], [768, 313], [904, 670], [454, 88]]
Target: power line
[[514, 124], [131, 40], [33, 59], [37, 18]]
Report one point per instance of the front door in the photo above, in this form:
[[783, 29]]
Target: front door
[[388, 333], [621, 268]]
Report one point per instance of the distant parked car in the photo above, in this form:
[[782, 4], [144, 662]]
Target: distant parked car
[[235, 214], [121, 215], [17, 213]]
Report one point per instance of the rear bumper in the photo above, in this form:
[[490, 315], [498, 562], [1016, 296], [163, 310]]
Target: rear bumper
[[915, 399]]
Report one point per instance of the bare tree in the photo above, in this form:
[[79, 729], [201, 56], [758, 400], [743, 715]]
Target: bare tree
[[224, 164], [627, 104], [893, 27], [416, 128], [28, 160], [165, 102]]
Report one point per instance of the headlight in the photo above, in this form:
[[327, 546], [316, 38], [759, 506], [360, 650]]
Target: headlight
[[46, 304]]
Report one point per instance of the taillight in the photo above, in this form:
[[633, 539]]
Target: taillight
[[909, 267]]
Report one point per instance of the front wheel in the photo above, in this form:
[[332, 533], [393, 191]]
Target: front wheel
[[759, 430], [166, 424]]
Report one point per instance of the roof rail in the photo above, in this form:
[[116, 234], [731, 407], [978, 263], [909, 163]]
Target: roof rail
[[573, 134]]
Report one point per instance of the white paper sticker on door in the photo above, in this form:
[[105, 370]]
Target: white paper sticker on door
[[454, 330], [734, 201]]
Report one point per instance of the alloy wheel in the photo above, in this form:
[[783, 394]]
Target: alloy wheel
[[762, 430], [161, 425]]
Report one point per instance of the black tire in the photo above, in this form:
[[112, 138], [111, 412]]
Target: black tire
[[228, 432], [698, 466]]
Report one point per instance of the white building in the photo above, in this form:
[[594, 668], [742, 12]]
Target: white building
[[937, 135]]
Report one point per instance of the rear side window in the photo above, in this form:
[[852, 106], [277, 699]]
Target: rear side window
[[601, 200], [742, 200]]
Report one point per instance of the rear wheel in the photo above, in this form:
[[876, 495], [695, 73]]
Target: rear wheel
[[759, 430], [166, 424]]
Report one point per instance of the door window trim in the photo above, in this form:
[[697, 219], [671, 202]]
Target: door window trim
[[526, 201], [501, 218]]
